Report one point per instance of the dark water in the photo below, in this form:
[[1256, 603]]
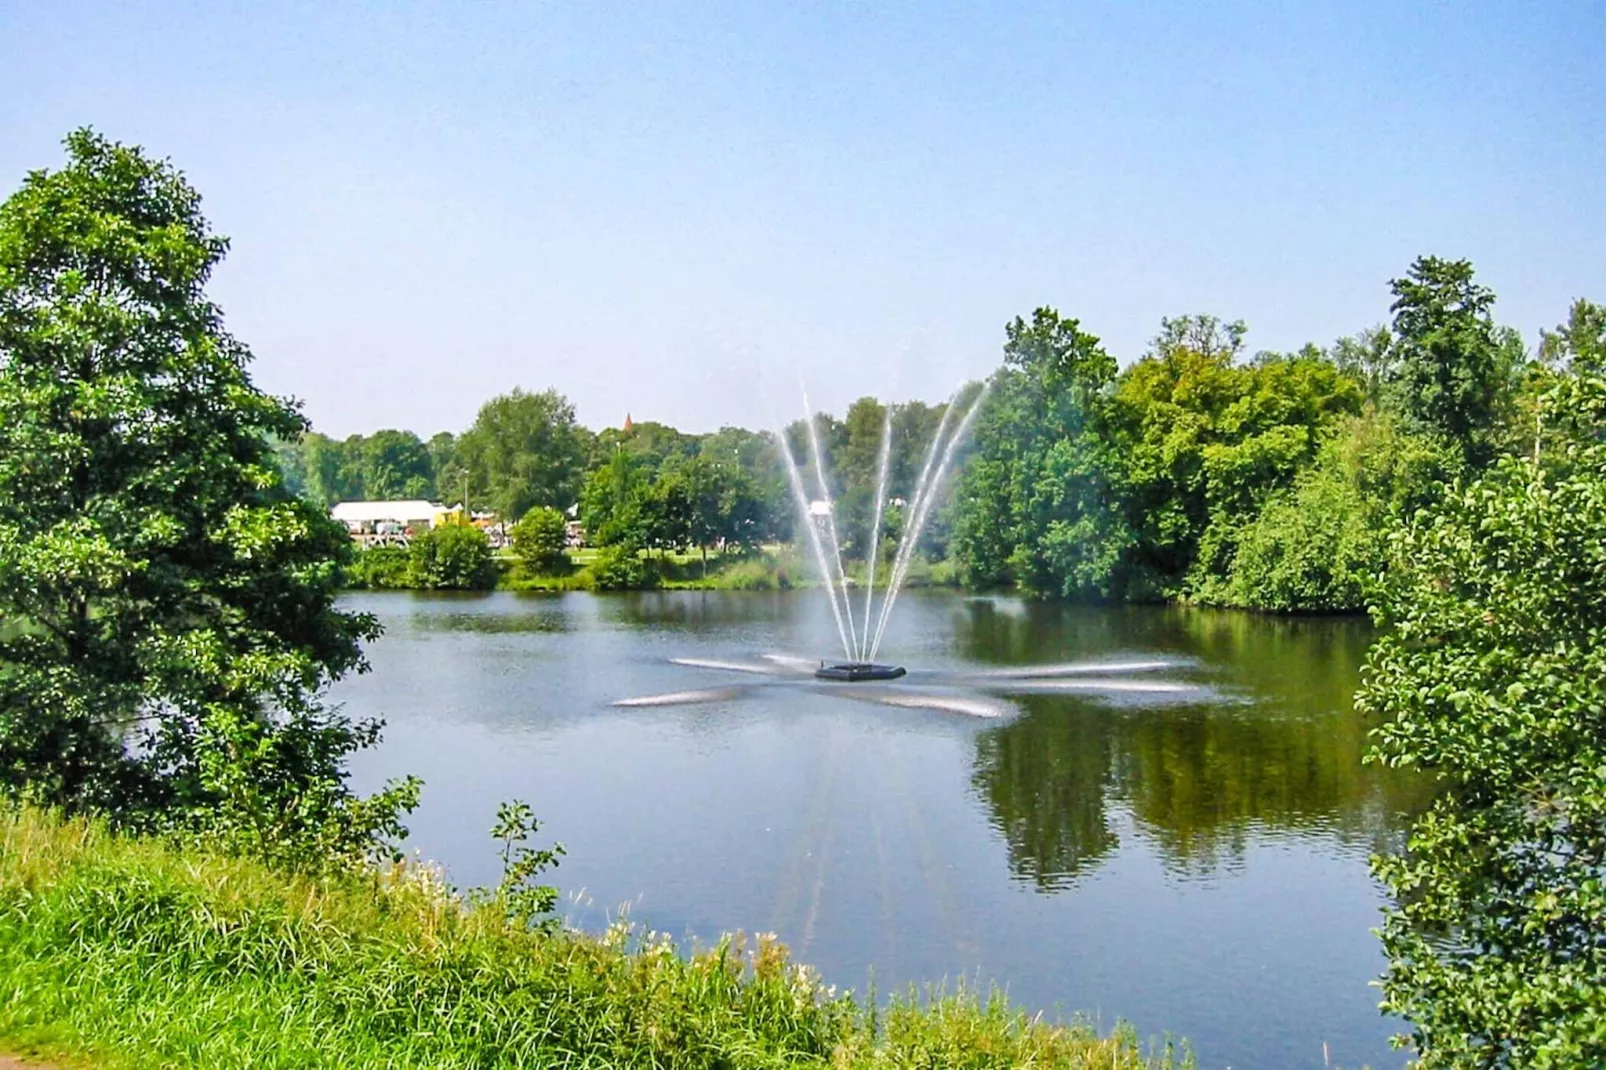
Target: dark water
[[1197, 866]]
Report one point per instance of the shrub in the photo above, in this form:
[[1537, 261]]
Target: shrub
[[452, 557], [621, 568], [540, 538], [379, 568]]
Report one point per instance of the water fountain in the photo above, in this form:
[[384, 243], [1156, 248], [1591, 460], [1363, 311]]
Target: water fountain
[[971, 692], [860, 646]]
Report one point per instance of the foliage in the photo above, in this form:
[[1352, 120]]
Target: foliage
[[540, 538], [451, 557], [620, 567], [1320, 545], [614, 505], [135, 954], [525, 450], [524, 901], [1090, 484], [1493, 676], [1454, 374], [385, 465], [1580, 343], [379, 568], [1035, 504], [172, 603]]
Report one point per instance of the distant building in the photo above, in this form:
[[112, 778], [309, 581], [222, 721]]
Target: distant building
[[629, 425], [382, 523]]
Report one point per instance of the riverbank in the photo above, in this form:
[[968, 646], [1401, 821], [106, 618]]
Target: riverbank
[[131, 952], [774, 568]]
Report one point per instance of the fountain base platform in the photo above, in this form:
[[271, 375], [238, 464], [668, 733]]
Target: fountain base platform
[[856, 671]]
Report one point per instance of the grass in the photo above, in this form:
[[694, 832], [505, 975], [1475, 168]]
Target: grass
[[125, 953]]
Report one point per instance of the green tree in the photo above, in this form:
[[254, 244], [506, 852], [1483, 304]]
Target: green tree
[[1453, 374], [524, 450], [1493, 676], [1035, 507], [171, 603], [1369, 358], [614, 505], [327, 473], [650, 442], [765, 513], [392, 465], [452, 557], [446, 475], [540, 537], [1321, 544], [1580, 343]]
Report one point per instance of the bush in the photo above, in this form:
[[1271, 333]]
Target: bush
[[621, 568], [540, 540], [379, 568], [452, 557]]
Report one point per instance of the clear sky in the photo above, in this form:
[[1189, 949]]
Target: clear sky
[[657, 208]]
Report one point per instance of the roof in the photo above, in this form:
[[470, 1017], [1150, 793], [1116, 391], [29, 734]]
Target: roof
[[361, 512]]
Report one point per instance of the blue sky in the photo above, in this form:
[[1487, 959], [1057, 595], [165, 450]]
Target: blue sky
[[677, 210]]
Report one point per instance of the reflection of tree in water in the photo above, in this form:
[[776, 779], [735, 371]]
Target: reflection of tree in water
[[1044, 780], [1279, 758], [698, 611]]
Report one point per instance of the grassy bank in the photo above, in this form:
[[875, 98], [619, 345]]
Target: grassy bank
[[133, 953]]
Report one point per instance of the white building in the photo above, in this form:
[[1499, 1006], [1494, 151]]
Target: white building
[[378, 522]]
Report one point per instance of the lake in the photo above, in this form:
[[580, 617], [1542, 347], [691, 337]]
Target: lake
[[1191, 863]]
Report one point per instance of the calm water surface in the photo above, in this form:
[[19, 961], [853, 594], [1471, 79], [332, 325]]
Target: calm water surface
[[1196, 866]]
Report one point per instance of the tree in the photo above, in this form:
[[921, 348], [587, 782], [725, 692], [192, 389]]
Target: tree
[[392, 465], [1368, 357], [540, 537], [1580, 343], [1035, 507], [1492, 676], [1453, 373], [525, 449], [766, 512], [327, 472], [1320, 544], [446, 475], [452, 557], [614, 506], [170, 604], [1201, 335]]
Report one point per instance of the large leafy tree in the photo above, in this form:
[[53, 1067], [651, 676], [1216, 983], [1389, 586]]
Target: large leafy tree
[[1493, 676], [168, 605], [1453, 373], [525, 450], [393, 464], [615, 505], [1034, 507]]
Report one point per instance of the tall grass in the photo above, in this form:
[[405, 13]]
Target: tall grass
[[137, 953]]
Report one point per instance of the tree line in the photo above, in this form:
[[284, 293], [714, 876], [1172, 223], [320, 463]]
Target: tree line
[[647, 486], [1269, 481]]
